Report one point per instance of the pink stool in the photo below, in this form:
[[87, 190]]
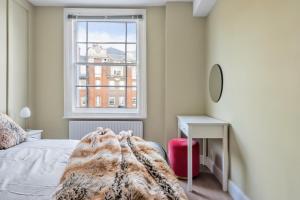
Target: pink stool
[[178, 157]]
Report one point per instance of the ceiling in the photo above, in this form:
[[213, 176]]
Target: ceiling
[[116, 3]]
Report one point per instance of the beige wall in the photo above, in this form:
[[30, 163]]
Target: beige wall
[[15, 22], [257, 44], [184, 70], [19, 56], [169, 69], [49, 72], [154, 124], [49, 68], [3, 54]]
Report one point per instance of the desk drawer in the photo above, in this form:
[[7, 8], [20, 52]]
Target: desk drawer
[[206, 131]]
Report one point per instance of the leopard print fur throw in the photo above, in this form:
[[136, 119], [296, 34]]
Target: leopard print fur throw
[[106, 166]]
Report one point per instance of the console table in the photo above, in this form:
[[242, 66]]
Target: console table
[[204, 127]]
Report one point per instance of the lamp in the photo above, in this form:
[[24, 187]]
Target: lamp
[[25, 113]]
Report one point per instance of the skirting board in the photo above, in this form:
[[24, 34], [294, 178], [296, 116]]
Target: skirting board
[[235, 192]]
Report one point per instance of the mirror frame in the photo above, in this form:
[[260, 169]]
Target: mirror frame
[[222, 82]]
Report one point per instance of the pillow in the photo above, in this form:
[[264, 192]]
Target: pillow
[[11, 133]]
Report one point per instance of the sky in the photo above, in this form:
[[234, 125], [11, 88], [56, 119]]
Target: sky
[[106, 32]]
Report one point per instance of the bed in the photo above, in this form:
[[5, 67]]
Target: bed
[[32, 169], [102, 165]]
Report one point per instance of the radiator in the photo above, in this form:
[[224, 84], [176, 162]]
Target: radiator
[[78, 129]]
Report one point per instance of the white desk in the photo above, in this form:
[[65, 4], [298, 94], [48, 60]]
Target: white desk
[[204, 127]]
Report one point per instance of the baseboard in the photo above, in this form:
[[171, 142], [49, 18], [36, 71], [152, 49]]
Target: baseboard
[[235, 192]]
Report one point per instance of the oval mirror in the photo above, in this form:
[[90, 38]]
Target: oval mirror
[[216, 83]]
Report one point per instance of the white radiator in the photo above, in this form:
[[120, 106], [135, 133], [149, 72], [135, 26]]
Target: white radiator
[[78, 129]]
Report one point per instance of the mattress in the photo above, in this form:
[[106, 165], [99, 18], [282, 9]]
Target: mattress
[[32, 170]]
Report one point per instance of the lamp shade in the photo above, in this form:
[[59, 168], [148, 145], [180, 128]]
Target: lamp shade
[[25, 112]]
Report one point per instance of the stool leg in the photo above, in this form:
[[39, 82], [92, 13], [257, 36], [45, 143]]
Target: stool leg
[[190, 164]]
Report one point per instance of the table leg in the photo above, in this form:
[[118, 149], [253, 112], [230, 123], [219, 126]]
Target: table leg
[[204, 150], [225, 159], [178, 131], [190, 164]]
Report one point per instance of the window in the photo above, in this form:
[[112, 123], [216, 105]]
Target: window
[[133, 73], [133, 101], [98, 101], [112, 83], [121, 101], [105, 56], [111, 101], [82, 82], [98, 83], [98, 71], [122, 85], [83, 101], [116, 71], [82, 70]]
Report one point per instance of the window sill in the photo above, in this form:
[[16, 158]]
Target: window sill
[[105, 116]]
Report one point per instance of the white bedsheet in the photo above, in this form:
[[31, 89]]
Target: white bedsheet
[[32, 170]]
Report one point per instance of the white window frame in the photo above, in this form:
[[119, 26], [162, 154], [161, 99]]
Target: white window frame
[[70, 109]]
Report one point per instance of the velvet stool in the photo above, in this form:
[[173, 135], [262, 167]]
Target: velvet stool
[[178, 157]]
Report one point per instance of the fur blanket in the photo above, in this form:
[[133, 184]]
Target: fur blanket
[[110, 167]]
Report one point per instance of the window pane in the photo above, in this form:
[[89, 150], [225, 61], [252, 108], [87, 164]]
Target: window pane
[[106, 53], [82, 82], [131, 53], [82, 71], [81, 97], [106, 85], [82, 75], [106, 32], [131, 97], [81, 31], [131, 32], [106, 94], [81, 52]]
